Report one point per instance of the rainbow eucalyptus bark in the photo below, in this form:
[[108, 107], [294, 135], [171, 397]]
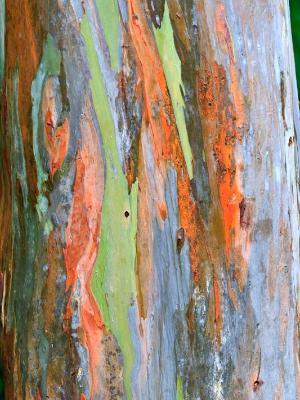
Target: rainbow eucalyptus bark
[[149, 202]]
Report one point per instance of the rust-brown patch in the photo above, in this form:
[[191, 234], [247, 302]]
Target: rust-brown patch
[[190, 318], [113, 372], [129, 77], [144, 257], [178, 20], [24, 49], [56, 137], [58, 142]]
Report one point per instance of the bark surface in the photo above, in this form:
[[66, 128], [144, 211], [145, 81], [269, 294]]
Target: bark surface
[[149, 205]]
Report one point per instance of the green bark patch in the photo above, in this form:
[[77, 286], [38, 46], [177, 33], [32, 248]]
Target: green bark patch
[[113, 281], [110, 19], [172, 69]]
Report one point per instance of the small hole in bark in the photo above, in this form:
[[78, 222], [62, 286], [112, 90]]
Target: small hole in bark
[[126, 213], [257, 384], [180, 239]]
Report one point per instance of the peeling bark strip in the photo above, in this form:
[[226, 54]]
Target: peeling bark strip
[[150, 200]]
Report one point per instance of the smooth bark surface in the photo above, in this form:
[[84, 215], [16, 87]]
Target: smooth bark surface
[[149, 202]]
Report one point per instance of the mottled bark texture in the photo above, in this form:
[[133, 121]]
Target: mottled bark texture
[[149, 200]]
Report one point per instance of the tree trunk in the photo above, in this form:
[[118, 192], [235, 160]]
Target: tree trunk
[[149, 200]]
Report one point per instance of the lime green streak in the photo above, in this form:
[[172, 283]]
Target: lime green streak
[[172, 68], [50, 65], [2, 36], [179, 390], [110, 21], [113, 281]]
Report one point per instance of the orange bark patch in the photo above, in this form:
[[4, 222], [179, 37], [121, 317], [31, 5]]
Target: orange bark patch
[[82, 235], [224, 122], [163, 211], [220, 123], [160, 117], [235, 209]]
